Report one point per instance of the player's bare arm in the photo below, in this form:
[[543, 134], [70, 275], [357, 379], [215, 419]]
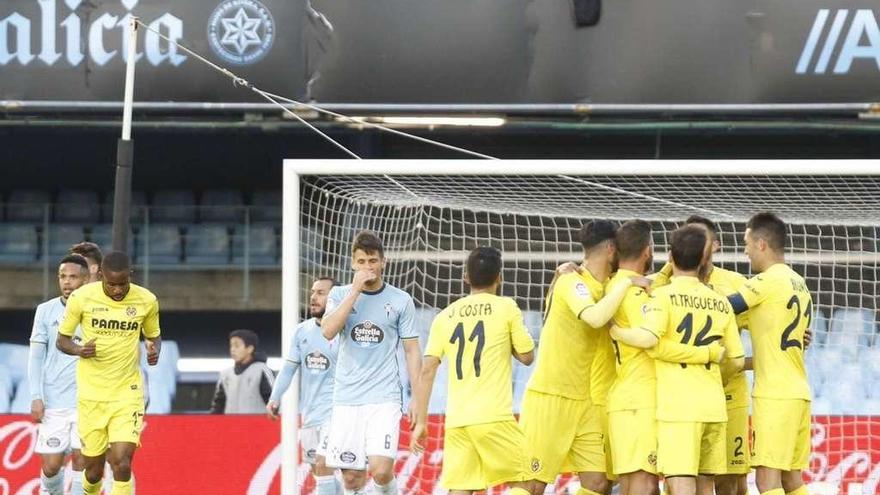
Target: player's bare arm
[[526, 358], [421, 398], [412, 353], [333, 323], [66, 345], [154, 346]]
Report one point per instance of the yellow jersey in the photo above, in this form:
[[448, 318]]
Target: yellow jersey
[[603, 370], [779, 310], [727, 282], [567, 344], [635, 384], [688, 312], [477, 334], [114, 373]]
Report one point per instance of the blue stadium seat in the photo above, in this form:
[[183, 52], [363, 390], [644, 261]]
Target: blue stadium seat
[[21, 401], [819, 323], [521, 375], [163, 245], [222, 205], [61, 236], [852, 328], [77, 206], [871, 360], [175, 205], [162, 379], [828, 360], [15, 357], [102, 235], [846, 398], [266, 206], [264, 244], [27, 205], [138, 208], [207, 244], [19, 243], [6, 389]]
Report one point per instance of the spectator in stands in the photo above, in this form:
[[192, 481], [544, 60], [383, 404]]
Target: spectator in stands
[[92, 253], [246, 387]]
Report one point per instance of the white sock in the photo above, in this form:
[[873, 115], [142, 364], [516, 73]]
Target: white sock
[[76, 485], [53, 485], [389, 489], [325, 485]]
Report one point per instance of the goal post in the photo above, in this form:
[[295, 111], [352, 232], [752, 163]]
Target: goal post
[[430, 213]]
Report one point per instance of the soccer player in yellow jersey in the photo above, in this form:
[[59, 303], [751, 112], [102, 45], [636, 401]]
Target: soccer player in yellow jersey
[[691, 409], [602, 374], [563, 429], [632, 398], [112, 315], [483, 444], [779, 310]]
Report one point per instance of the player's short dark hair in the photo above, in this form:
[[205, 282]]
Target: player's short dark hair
[[687, 247], [76, 259], [88, 249], [632, 238], [596, 232], [709, 224], [249, 337], [483, 266], [333, 282], [771, 228], [115, 262], [368, 242]]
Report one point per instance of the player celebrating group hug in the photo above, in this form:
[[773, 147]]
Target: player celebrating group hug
[[637, 377]]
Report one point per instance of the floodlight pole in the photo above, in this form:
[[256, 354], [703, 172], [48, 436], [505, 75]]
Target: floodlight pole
[[125, 151]]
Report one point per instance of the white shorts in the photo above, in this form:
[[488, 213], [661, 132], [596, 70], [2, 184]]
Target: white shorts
[[314, 442], [57, 433], [358, 432]]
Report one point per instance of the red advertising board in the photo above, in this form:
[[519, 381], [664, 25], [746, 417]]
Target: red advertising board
[[238, 455]]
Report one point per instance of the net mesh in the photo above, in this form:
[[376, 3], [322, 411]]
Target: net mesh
[[429, 223]]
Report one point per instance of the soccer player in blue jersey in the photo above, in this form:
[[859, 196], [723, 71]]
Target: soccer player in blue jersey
[[52, 380], [317, 357], [371, 317]]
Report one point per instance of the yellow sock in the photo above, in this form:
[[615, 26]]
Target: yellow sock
[[584, 491], [89, 488], [799, 491], [121, 487], [518, 491], [775, 491]]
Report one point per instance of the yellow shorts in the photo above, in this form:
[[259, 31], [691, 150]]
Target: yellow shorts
[[606, 442], [739, 454], [633, 440], [781, 430], [689, 448], [476, 457], [562, 435], [101, 423]]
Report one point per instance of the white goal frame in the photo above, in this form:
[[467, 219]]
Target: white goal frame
[[291, 222]]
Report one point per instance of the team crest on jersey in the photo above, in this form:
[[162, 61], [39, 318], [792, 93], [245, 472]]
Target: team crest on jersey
[[317, 363], [652, 459], [53, 442], [389, 310], [131, 311], [367, 334], [644, 309], [347, 457], [535, 464], [581, 289]]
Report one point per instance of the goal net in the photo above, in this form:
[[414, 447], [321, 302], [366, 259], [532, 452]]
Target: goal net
[[429, 222]]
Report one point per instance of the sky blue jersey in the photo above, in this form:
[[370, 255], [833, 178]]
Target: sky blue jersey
[[367, 370], [55, 380]]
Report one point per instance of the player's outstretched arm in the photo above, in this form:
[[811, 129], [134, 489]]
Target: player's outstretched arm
[[636, 337], [600, 313], [419, 405], [675, 352], [338, 310], [282, 383]]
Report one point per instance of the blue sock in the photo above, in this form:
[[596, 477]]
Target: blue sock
[[52, 485]]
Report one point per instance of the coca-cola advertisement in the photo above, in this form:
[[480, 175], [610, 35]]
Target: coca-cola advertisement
[[238, 455]]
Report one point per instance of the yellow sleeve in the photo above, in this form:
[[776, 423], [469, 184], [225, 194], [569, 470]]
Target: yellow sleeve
[[754, 290], [151, 321], [519, 334], [574, 293], [436, 339], [674, 352], [656, 317], [732, 341], [72, 315], [634, 307], [662, 277]]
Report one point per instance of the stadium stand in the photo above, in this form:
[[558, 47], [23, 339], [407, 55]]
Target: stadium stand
[[61, 236], [222, 206], [19, 243], [207, 244], [173, 206], [77, 206], [6, 389], [27, 205]]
